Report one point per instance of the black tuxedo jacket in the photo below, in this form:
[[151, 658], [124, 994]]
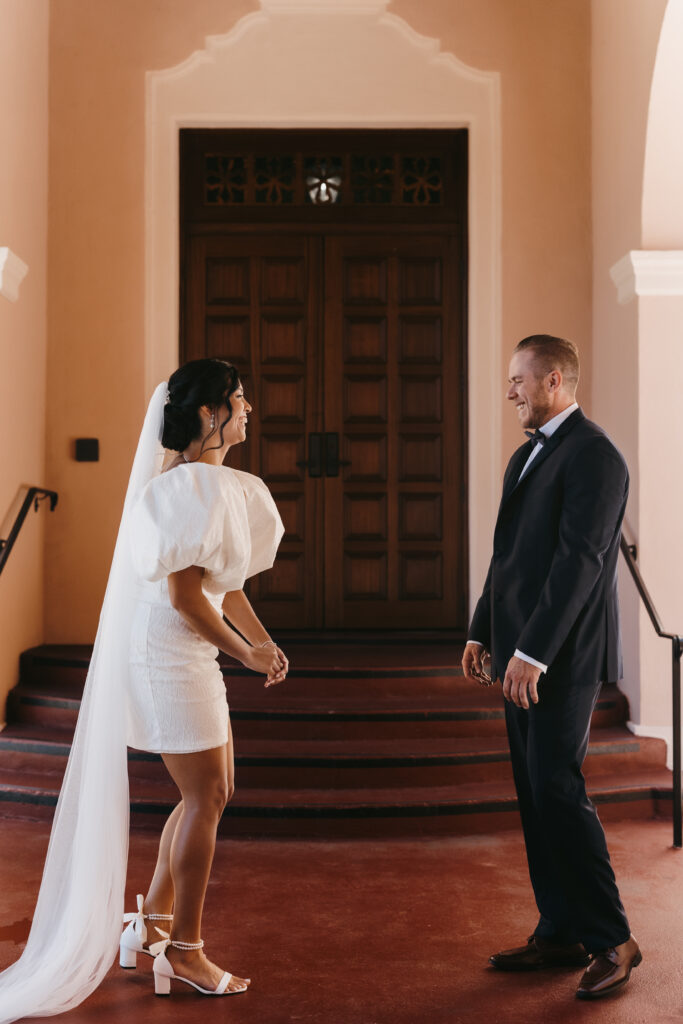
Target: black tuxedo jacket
[[551, 589]]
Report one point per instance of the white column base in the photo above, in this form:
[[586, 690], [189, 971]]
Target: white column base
[[12, 273]]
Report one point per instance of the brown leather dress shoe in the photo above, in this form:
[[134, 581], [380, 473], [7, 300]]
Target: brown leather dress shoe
[[539, 954], [609, 970]]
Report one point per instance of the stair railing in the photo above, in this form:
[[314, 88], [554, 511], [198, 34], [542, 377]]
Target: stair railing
[[629, 552], [34, 496]]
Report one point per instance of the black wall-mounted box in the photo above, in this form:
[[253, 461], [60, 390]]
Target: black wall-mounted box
[[87, 449]]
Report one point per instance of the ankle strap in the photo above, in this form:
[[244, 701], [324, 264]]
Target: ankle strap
[[187, 945], [159, 917], [138, 919]]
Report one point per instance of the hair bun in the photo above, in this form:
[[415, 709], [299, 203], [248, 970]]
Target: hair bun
[[179, 427]]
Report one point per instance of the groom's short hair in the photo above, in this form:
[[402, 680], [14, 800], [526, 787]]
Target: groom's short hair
[[551, 353]]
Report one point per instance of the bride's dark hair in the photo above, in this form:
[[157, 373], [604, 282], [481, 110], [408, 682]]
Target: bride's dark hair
[[199, 382]]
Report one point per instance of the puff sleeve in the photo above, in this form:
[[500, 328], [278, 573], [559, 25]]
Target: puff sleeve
[[218, 518], [265, 525], [178, 521]]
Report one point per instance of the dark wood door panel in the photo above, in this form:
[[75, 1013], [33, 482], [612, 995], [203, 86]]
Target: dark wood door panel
[[254, 301], [394, 390]]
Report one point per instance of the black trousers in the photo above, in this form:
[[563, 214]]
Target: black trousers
[[573, 881]]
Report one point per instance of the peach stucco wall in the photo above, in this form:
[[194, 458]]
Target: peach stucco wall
[[23, 325], [542, 50], [663, 169], [661, 361], [99, 54], [625, 37]]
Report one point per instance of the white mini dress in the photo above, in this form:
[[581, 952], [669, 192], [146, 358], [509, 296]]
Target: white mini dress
[[225, 521]]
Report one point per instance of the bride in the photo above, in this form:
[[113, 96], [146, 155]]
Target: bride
[[192, 531]]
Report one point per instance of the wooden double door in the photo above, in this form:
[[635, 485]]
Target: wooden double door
[[350, 352], [329, 266]]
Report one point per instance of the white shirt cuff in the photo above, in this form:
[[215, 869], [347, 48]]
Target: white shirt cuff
[[477, 642], [531, 661]]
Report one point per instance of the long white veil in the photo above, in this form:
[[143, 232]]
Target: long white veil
[[77, 920]]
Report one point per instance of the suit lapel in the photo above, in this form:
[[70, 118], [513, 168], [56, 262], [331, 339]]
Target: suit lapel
[[548, 448], [517, 463]]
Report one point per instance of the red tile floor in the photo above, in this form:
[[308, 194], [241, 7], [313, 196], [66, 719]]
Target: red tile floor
[[378, 932]]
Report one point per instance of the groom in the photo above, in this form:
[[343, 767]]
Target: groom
[[549, 616]]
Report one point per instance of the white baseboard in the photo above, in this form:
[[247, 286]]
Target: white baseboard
[[659, 732]]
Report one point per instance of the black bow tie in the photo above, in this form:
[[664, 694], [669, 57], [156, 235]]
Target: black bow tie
[[536, 435]]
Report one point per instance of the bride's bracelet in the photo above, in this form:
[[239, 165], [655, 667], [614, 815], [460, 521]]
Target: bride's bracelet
[[266, 642]]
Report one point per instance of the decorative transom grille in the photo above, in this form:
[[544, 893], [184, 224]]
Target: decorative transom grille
[[296, 179], [274, 179], [225, 179]]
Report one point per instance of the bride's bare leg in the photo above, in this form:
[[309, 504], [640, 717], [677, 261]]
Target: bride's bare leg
[[205, 783], [159, 898], [160, 895]]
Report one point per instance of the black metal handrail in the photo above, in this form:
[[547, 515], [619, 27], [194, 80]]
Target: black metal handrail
[[34, 496], [629, 553]]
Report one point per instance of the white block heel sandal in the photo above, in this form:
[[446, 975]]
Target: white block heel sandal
[[164, 973], [131, 942]]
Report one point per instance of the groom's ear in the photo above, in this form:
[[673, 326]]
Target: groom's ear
[[553, 381]]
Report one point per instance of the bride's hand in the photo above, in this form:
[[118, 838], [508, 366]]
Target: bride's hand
[[283, 669], [266, 661], [284, 660]]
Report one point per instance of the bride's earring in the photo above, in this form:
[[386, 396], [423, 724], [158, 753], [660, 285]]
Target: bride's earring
[[213, 421]]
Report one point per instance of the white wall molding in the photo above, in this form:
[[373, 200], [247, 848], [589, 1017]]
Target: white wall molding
[[648, 272], [293, 64], [12, 273]]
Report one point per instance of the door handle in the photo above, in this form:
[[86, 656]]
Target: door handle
[[332, 460], [314, 463]]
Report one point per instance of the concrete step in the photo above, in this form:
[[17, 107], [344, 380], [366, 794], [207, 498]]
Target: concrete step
[[435, 810], [380, 762]]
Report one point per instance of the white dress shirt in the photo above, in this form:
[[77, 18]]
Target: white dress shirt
[[548, 429]]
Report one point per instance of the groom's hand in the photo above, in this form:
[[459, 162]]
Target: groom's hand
[[472, 667], [521, 682]]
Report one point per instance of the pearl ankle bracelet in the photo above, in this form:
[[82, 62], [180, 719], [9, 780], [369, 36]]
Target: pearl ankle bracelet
[[187, 945]]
